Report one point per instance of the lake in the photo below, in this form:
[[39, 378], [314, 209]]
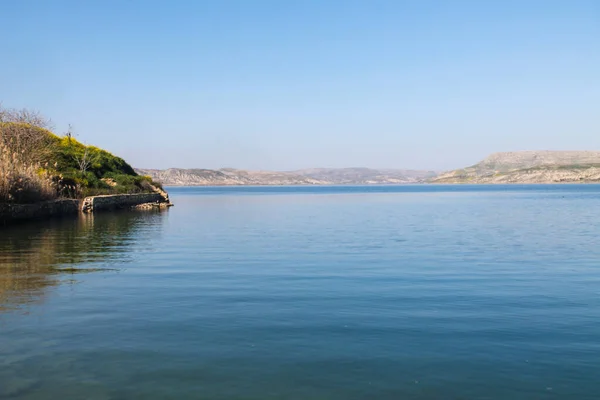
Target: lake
[[383, 292]]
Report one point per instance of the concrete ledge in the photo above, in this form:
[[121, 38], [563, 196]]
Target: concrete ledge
[[12, 213], [119, 201]]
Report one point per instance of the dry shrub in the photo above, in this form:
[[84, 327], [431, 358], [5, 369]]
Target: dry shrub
[[24, 116], [21, 182], [32, 144], [26, 133], [22, 149], [24, 145]]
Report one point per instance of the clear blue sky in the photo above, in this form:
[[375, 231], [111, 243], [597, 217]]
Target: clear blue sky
[[308, 83]]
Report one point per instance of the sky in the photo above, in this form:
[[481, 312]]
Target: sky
[[284, 85]]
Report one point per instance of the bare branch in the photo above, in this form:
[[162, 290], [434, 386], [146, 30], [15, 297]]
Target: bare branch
[[69, 133], [85, 160], [25, 116]]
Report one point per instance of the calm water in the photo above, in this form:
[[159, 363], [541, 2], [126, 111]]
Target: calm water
[[417, 292]]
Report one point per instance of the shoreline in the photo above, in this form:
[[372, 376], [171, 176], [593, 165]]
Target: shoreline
[[11, 214], [394, 184]]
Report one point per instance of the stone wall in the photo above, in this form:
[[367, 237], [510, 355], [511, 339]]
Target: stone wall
[[11, 213], [119, 201]]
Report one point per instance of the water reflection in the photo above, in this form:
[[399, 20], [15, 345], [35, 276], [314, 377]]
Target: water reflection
[[37, 256]]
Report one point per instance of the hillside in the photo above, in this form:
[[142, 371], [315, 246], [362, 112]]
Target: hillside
[[365, 176], [529, 167], [37, 165], [318, 176], [224, 177]]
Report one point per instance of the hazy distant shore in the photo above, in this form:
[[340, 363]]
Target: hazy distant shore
[[526, 167]]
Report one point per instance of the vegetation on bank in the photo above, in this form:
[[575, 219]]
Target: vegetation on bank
[[38, 165]]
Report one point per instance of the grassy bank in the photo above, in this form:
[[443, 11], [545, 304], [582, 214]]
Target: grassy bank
[[38, 165]]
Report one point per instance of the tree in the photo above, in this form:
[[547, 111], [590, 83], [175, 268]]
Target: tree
[[24, 133], [24, 116], [69, 133], [85, 160]]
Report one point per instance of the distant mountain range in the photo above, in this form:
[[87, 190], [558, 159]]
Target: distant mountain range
[[365, 176], [509, 167], [529, 167], [316, 176]]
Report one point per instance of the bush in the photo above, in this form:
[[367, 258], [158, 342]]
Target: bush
[[70, 168], [21, 182]]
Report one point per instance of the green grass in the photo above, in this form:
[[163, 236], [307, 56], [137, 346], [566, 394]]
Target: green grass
[[106, 173]]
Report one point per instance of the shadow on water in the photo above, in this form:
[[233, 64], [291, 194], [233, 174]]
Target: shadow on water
[[35, 257]]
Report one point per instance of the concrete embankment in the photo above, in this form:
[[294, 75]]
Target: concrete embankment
[[118, 201], [14, 213]]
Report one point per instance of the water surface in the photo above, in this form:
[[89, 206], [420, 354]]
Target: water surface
[[386, 292]]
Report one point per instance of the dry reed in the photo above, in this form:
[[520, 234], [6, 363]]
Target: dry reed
[[22, 181]]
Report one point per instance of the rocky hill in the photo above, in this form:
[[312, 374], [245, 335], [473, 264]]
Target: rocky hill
[[529, 167], [226, 176], [365, 176], [37, 165], [318, 176]]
